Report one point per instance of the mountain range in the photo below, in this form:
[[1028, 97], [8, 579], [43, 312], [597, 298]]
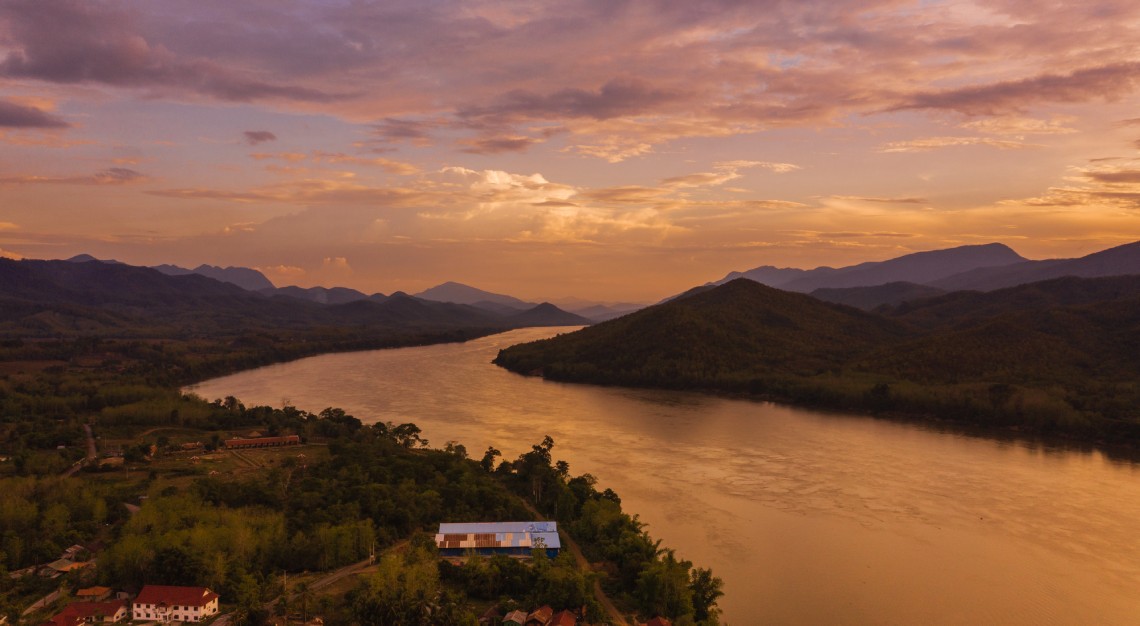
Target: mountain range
[[61, 298], [1054, 356], [922, 274]]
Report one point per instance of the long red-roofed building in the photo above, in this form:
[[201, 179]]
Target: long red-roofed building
[[263, 442], [92, 612], [162, 603]]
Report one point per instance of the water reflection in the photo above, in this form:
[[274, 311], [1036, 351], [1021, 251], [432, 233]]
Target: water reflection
[[810, 517]]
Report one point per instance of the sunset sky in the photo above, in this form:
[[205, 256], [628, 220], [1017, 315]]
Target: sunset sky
[[601, 149]]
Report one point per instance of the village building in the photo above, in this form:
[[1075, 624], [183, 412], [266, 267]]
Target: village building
[[94, 594], [540, 616], [162, 603], [515, 618], [490, 538], [563, 618], [263, 442], [92, 613]]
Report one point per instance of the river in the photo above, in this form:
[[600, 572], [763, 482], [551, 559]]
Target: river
[[809, 517]]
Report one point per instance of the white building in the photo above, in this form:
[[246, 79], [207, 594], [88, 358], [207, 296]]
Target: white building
[[174, 604]]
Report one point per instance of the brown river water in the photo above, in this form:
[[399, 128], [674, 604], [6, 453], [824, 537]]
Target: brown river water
[[809, 517]]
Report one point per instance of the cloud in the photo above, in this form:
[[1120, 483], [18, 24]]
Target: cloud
[[13, 115], [616, 98], [1017, 125], [933, 143], [388, 165], [1115, 177], [109, 176], [287, 272], [254, 137], [901, 200], [497, 145], [75, 41], [1102, 82], [779, 168]]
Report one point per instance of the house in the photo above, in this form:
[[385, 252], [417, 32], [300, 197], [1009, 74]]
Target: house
[[93, 594], [162, 603], [58, 568], [515, 618], [489, 538], [563, 618], [659, 621], [540, 616], [491, 616], [263, 442], [93, 613]]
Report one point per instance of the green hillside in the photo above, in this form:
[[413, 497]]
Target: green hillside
[[1060, 357]]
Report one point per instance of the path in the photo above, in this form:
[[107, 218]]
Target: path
[[91, 454], [616, 616]]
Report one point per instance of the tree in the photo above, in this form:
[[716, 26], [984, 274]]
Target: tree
[[706, 589], [488, 462], [663, 588]]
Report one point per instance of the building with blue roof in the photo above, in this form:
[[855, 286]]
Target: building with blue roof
[[490, 538]]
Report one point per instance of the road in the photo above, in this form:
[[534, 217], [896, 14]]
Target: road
[[615, 615], [91, 454]]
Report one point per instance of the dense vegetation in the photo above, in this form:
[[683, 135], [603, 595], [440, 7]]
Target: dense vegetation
[[107, 348], [1060, 357]]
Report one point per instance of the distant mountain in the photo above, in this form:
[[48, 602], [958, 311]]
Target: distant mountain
[[771, 275], [464, 294], [919, 268], [244, 277], [605, 312], [964, 307], [1118, 261], [870, 298], [52, 298], [323, 295], [546, 314]]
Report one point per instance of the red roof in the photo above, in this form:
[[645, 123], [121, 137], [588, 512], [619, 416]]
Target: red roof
[[180, 596], [563, 618], [84, 610], [659, 621]]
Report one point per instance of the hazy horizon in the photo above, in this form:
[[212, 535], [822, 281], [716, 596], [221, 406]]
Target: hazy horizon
[[607, 151]]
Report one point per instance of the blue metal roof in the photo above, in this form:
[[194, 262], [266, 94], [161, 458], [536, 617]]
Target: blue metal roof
[[506, 534]]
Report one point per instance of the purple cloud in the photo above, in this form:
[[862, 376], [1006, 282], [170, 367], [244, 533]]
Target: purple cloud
[[74, 41], [254, 137], [14, 115], [1107, 81], [616, 98]]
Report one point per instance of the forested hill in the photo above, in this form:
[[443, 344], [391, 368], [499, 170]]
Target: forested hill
[[65, 299], [726, 335], [1061, 355]]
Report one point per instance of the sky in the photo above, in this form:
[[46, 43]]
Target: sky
[[603, 149]]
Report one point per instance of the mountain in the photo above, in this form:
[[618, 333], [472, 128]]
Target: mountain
[[735, 332], [244, 277], [464, 294], [323, 295], [546, 314], [870, 298], [53, 297], [1059, 356], [965, 307], [772, 276], [919, 268], [1118, 261], [604, 312]]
